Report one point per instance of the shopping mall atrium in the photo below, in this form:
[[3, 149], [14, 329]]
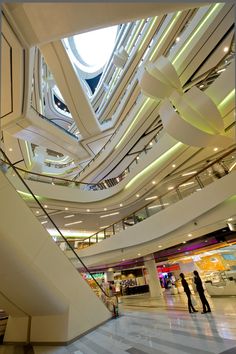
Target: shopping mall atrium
[[117, 174]]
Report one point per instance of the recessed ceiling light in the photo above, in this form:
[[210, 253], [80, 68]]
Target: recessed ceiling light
[[201, 86], [188, 173], [45, 206], [170, 188], [139, 254], [69, 216], [105, 209], [177, 39], [105, 216], [173, 165], [137, 157], [137, 195], [66, 208], [190, 235], [74, 223], [44, 222], [121, 205], [226, 49], [160, 246], [215, 149], [220, 71], [151, 143], [150, 198], [153, 182], [186, 184], [88, 210], [10, 149], [37, 212], [184, 241]]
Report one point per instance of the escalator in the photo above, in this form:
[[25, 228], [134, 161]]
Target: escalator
[[46, 298]]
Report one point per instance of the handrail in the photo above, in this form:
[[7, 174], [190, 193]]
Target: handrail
[[161, 196], [53, 123], [58, 230], [53, 177]]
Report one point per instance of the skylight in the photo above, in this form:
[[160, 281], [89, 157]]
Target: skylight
[[92, 50]]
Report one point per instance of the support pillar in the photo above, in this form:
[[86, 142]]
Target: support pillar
[[153, 278]]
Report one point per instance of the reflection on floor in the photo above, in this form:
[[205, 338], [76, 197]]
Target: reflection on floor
[[164, 326], [155, 326]]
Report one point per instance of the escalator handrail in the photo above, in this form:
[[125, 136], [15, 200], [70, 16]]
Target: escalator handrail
[[53, 223]]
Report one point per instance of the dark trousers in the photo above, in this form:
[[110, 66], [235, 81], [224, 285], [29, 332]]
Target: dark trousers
[[190, 305], [205, 304]]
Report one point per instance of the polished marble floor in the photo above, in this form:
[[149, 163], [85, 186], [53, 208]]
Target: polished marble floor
[[153, 326], [164, 327]]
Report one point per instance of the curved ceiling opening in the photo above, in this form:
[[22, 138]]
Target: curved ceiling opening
[[92, 50]]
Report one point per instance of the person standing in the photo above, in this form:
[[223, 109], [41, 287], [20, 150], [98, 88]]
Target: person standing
[[188, 293], [200, 290]]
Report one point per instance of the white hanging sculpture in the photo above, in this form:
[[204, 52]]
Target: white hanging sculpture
[[191, 117]]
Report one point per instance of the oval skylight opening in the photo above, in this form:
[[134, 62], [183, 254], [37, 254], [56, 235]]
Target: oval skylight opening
[[94, 48]]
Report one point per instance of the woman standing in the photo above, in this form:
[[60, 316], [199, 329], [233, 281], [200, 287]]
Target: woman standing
[[188, 293], [200, 290]]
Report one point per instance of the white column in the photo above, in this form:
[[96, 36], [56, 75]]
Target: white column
[[109, 276], [153, 278]]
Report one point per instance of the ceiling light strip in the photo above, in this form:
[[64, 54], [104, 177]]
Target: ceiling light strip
[[165, 34], [196, 31], [151, 26], [131, 125], [74, 223], [226, 100], [134, 36], [160, 159]]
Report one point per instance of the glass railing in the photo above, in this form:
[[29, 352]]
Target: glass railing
[[40, 212], [204, 176], [55, 124]]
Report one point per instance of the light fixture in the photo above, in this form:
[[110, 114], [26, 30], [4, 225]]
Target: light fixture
[[44, 222], [226, 49], [157, 206], [184, 241], [177, 39], [105, 216], [173, 165], [105, 209], [121, 205], [150, 198], [151, 143], [220, 71], [160, 246], [66, 208], [88, 210], [69, 216], [139, 254], [10, 149], [137, 157], [230, 219], [190, 235], [103, 227], [137, 195], [74, 223], [188, 173], [45, 206], [170, 188], [37, 212], [215, 149], [186, 184], [153, 182], [201, 86]]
